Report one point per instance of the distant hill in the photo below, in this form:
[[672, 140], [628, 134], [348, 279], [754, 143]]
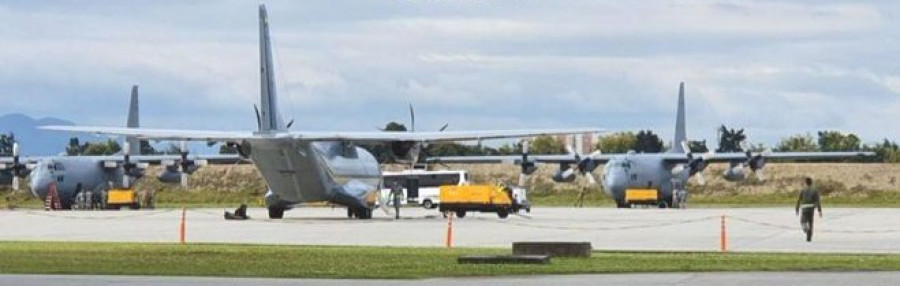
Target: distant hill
[[35, 141]]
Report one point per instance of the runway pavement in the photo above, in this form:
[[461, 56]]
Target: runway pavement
[[856, 230], [699, 279]]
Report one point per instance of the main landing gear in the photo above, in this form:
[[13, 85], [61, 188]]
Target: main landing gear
[[360, 213], [276, 213]]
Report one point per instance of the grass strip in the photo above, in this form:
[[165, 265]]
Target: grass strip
[[240, 260]]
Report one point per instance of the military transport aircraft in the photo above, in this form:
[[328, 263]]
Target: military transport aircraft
[[308, 166], [97, 173], [666, 172]]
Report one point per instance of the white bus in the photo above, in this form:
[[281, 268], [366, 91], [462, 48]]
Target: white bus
[[422, 187]]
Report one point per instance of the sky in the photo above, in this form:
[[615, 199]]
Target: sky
[[776, 68]]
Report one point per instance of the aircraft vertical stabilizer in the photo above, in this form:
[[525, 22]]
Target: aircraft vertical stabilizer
[[680, 129], [270, 120], [134, 121]]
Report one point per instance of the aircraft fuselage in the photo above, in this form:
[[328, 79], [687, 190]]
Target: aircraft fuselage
[[303, 171], [640, 171], [67, 172]]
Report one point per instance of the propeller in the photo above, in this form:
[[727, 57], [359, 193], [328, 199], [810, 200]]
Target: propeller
[[695, 165], [185, 165], [18, 169], [584, 165], [411, 148], [527, 165], [756, 162]]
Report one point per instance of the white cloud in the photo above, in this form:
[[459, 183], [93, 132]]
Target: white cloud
[[774, 67]]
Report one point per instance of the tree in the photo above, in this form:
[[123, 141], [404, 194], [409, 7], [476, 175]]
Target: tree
[[394, 126], [619, 142], [730, 140], [108, 148], [230, 149], [831, 141], [147, 149], [648, 142], [698, 146], [75, 148], [886, 151], [6, 144], [547, 145], [797, 143]]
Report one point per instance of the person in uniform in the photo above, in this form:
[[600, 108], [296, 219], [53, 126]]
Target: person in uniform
[[396, 196], [807, 203]]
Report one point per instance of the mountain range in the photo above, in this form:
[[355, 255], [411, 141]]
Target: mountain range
[[34, 141]]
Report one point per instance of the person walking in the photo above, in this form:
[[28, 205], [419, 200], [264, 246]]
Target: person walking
[[808, 201], [396, 195]]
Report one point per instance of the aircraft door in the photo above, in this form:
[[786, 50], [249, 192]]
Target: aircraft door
[[412, 188]]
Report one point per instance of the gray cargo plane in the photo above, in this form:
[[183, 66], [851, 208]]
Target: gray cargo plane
[[98, 173], [309, 166], [666, 172]]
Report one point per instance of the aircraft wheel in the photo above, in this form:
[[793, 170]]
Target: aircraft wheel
[[502, 214], [663, 204], [276, 213], [460, 213]]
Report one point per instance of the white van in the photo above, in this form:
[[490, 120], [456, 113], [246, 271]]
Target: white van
[[422, 187]]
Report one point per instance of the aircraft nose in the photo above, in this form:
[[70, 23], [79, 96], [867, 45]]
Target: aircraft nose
[[39, 184], [615, 182]]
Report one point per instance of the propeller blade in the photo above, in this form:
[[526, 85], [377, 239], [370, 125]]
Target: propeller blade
[[125, 180], [686, 147], [591, 179], [760, 175], [184, 179], [16, 149], [444, 127], [701, 179], [382, 203], [258, 120], [412, 119], [678, 169], [522, 179], [15, 182]]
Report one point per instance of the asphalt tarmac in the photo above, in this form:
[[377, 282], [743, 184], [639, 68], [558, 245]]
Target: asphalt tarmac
[[698, 279], [845, 230]]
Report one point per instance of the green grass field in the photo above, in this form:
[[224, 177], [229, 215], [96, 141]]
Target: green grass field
[[383, 262]]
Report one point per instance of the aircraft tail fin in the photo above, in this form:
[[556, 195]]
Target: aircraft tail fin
[[680, 128], [270, 119], [134, 120]]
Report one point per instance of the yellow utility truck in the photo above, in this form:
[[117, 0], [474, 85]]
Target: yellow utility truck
[[117, 198], [483, 198], [642, 196]]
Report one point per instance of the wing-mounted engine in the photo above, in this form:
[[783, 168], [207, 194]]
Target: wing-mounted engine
[[735, 172], [695, 164], [131, 171], [181, 169], [584, 165], [754, 162], [17, 169]]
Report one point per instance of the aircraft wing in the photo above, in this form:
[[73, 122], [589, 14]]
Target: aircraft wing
[[233, 136], [158, 159], [791, 155], [444, 136], [516, 159], [735, 156], [159, 134], [22, 159]]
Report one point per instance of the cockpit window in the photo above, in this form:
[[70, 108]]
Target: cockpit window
[[59, 167]]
